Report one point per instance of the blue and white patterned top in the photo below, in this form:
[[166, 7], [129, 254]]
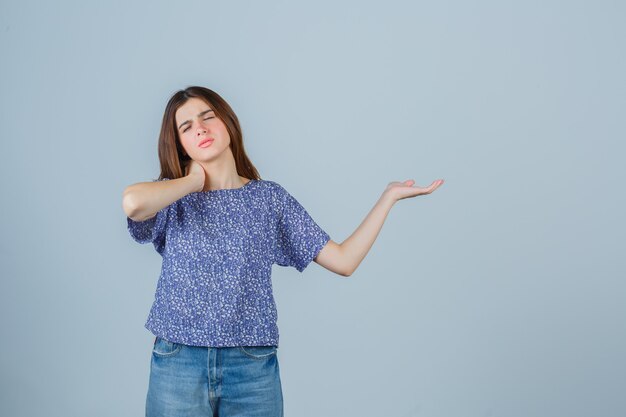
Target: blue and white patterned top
[[218, 247]]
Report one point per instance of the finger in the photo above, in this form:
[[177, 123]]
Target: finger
[[435, 185]]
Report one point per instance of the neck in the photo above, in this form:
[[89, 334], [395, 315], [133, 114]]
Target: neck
[[221, 174]]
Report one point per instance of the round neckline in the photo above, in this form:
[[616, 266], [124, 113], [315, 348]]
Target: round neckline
[[227, 189]]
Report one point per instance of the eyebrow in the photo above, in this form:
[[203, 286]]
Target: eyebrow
[[199, 115]]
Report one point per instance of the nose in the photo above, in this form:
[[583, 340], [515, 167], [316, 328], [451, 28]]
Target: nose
[[201, 127]]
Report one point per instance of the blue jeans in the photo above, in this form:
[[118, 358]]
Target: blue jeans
[[213, 381]]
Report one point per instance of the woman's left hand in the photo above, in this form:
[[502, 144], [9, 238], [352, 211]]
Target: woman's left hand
[[399, 190]]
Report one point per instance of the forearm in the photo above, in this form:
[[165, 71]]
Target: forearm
[[143, 200], [355, 247]]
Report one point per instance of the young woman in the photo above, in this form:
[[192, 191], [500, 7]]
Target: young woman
[[219, 228]]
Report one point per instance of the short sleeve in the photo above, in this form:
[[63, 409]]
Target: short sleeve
[[299, 237], [151, 230]]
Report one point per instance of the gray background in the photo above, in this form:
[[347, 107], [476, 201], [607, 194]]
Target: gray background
[[501, 294]]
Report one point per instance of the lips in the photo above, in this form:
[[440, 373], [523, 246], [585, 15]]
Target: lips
[[205, 142]]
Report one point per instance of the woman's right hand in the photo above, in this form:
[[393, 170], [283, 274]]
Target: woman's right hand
[[194, 170]]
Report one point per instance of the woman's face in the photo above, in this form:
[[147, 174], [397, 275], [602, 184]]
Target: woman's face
[[196, 122]]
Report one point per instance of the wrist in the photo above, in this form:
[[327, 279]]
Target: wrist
[[196, 183], [387, 199]]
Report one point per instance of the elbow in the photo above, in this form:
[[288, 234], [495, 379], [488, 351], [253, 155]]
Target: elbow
[[347, 266], [334, 258], [129, 204], [346, 273]]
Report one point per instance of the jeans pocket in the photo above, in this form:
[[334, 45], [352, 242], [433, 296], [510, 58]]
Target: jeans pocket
[[165, 348], [258, 352]]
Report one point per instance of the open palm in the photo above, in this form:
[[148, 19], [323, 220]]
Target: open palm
[[398, 190]]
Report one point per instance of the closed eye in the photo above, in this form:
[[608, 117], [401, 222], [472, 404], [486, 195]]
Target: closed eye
[[207, 118]]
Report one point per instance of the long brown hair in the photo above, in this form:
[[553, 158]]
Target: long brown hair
[[171, 153]]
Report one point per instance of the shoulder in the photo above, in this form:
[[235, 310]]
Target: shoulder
[[273, 187], [269, 184], [275, 194]]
